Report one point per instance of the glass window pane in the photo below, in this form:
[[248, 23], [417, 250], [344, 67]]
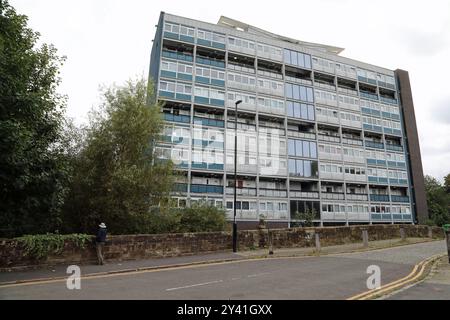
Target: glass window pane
[[292, 166], [288, 90], [313, 148], [303, 94], [291, 147], [300, 171], [290, 109], [297, 111], [287, 56], [311, 115], [304, 111], [296, 93], [298, 148], [310, 95], [307, 171], [306, 151]]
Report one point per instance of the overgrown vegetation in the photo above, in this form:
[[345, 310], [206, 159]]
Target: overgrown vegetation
[[308, 216], [438, 200], [40, 246]]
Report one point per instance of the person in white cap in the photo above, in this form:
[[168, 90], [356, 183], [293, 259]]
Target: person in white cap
[[100, 242]]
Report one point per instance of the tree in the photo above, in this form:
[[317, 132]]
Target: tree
[[202, 217], [117, 176], [438, 201], [33, 168]]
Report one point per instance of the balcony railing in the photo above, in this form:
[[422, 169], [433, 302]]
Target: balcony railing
[[379, 197], [304, 194], [354, 142], [251, 192], [332, 196], [394, 147], [273, 193], [400, 199], [377, 145], [357, 196]]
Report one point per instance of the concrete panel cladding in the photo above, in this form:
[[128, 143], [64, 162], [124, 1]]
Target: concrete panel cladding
[[413, 148]]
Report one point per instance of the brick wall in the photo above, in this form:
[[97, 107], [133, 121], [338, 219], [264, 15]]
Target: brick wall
[[131, 247]]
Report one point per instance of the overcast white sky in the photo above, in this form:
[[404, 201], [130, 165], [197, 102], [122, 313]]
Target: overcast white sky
[[109, 41]]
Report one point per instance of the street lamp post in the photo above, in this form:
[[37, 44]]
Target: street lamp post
[[235, 176]]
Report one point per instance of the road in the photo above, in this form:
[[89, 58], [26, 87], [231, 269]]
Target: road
[[327, 277]]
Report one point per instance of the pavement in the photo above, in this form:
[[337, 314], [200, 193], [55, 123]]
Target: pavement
[[436, 285], [290, 274]]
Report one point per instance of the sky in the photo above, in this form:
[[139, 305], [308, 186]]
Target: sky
[[109, 41]]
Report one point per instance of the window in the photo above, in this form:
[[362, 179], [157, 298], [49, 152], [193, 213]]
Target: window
[[298, 92], [297, 59]]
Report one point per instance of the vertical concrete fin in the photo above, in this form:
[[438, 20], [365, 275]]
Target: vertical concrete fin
[[417, 182]]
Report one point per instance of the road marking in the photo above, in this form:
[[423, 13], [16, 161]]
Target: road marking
[[257, 275], [195, 285], [418, 268]]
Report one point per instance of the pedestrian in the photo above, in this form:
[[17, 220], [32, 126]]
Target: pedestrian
[[100, 242]]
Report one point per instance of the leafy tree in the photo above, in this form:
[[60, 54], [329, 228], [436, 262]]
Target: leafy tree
[[117, 176], [308, 216], [438, 200], [33, 168]]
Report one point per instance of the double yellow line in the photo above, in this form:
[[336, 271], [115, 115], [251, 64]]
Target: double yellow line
[[415, 274]]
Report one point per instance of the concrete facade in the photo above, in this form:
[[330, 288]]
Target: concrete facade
[[317, 132]]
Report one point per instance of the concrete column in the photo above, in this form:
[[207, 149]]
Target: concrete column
[[365, 236], [317, 242], [430, 232], [402, 234], [447, 237]]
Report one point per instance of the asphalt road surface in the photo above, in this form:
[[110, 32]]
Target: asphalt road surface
[[330, 277]]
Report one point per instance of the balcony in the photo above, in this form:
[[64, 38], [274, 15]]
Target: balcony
[[393, 147], [304, 194], [203, 188], [376, 145], [273, 193], [332, 196], [379, 198], [250, 192], [404, 199], [357, 196]]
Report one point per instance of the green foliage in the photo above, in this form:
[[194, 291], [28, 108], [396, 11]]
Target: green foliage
[[40, 246], [308, 217], [117, 177], [438, 200], [33, 169], [201, 217]]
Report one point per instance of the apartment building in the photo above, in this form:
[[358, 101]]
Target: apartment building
[[317, 132]]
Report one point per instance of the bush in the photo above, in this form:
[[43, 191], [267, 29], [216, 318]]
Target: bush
[[202, 217], [42, 245]]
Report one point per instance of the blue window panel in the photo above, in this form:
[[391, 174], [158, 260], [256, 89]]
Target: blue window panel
[[171, 35], [362, 79], [198, 165], [397, 216], [218, 45], [397, 132], [292, 169], [197, 142], [395, 116], [184, 97], [217, 102], [386, 114], [202, 80], [377, 128], [167, 138], [310, 94], [388, 130], [217, 82], [291, 148], [400, 199], [407, 217], [311, 113], [290, 109], [366, 110], [202, 100], [204, 42], [393, 181], [376, 113], [183, 165], [167, 94], [372, 81], [381, 163], [300, 171], [401, 164], [184, 76], [376, 216], [296, 92], [373, 179], [383, 180], [303, 94], [386, 217], [307, 61], [392, 163], [297, 110], [216, 166], [294, 59], [288, 90], [304, 111], [379, 198], [287, 56], [168, 74], [372, 161], [403, 181], [186, 38]]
